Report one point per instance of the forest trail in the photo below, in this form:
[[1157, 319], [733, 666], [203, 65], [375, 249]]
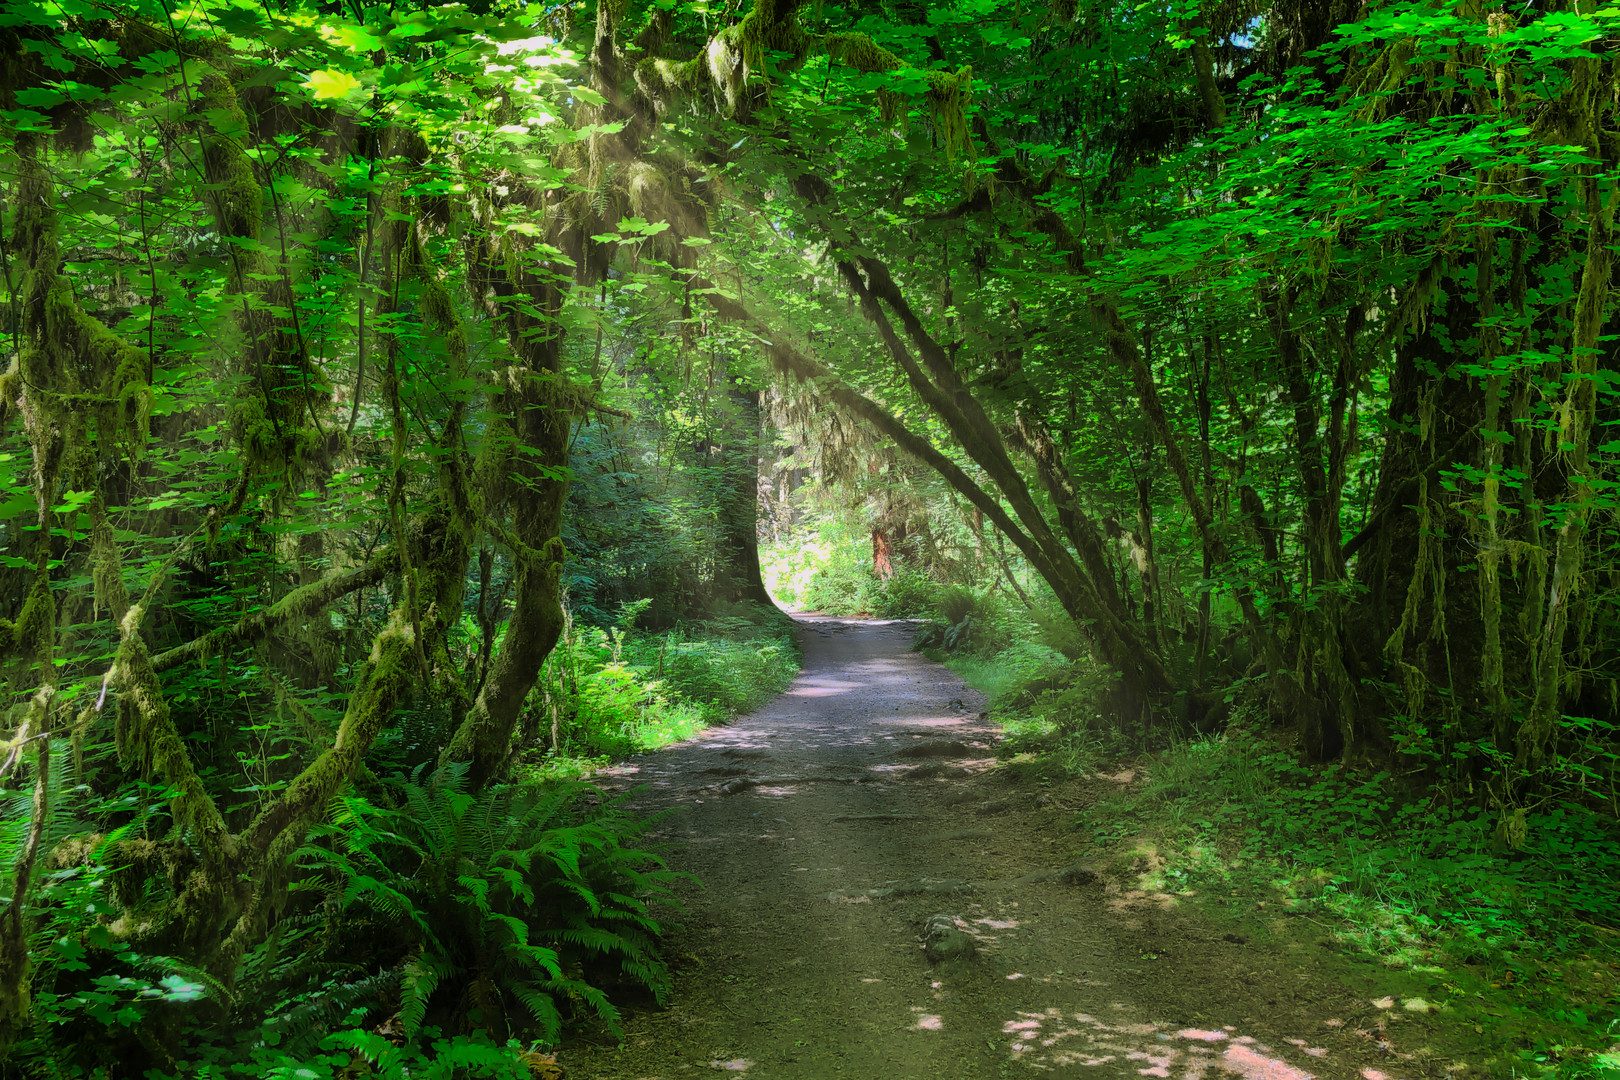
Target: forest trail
[[830, 828]]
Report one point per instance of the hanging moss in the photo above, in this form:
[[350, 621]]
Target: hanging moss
[[11, 385], [34, 635], [738, 52], [861, 53], [267, 447], [238, 197], [663, 82], [106, 568], [134, 397], [948, 97], [146, 739]]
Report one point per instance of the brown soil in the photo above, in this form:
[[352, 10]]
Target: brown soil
[[831, 829]]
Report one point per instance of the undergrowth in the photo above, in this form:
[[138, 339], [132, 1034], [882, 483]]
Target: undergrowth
[[609, 692], [825, 567], [1420, 885], [1417, 878], [503, 917]]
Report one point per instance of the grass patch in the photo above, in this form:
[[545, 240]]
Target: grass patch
[[1008, 676], [1520, 942], [607, 693], [1520, 945]]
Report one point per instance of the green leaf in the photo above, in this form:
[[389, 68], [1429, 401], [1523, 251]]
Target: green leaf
[[329, 84]]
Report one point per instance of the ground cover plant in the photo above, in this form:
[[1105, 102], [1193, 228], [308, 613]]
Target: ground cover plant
[[1516, 938], [609, 692]]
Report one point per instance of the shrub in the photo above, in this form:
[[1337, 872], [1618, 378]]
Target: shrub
[[955, 603], [840, 589], [974, 621], [907, 593], [354, 1052], [510, 903], [615, 692]]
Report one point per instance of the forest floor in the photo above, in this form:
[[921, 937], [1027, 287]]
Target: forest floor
[[856, 840]]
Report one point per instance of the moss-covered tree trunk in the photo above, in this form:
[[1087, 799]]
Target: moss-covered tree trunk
[[737, 565]]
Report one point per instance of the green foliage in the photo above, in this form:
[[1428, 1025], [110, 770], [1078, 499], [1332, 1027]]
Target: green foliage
[[295, 290], [826, 566], [971, 621], [511, 902], [845, 585], [617, 691], [346, 1053], [1406, 875], [1014, 677]]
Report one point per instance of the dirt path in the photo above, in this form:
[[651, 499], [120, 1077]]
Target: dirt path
[[832, 828]]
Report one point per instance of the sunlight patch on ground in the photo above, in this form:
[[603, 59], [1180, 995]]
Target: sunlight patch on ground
[[813, 687], [734, 1065], [1135, 898], [1054, 1039]]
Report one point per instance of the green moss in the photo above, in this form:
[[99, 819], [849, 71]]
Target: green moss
[[291, 447], [15, 1001], [106, 568], [949, 94], [134, 397], [737, 52], [660, 78], [11, 385], [947, 98], [239, 198], [861, 53], [146, 739], [34, 634], [664, 82]]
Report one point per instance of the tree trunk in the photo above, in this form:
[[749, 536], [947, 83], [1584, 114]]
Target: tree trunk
[[737, 570]]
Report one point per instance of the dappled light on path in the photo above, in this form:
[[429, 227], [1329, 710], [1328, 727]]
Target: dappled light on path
[[813, 687], [844, 828], [1054, 1039]]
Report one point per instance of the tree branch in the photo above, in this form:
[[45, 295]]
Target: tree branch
[[303, 601]]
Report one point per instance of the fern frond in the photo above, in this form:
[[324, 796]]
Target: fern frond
[[539, 1005], [421, 979], [598, 1002]]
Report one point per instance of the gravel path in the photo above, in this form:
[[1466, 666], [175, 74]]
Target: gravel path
[[879, 902]]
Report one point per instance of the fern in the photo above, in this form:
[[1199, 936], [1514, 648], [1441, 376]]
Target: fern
[[500, 893], [421, 979], [298, 1027]]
